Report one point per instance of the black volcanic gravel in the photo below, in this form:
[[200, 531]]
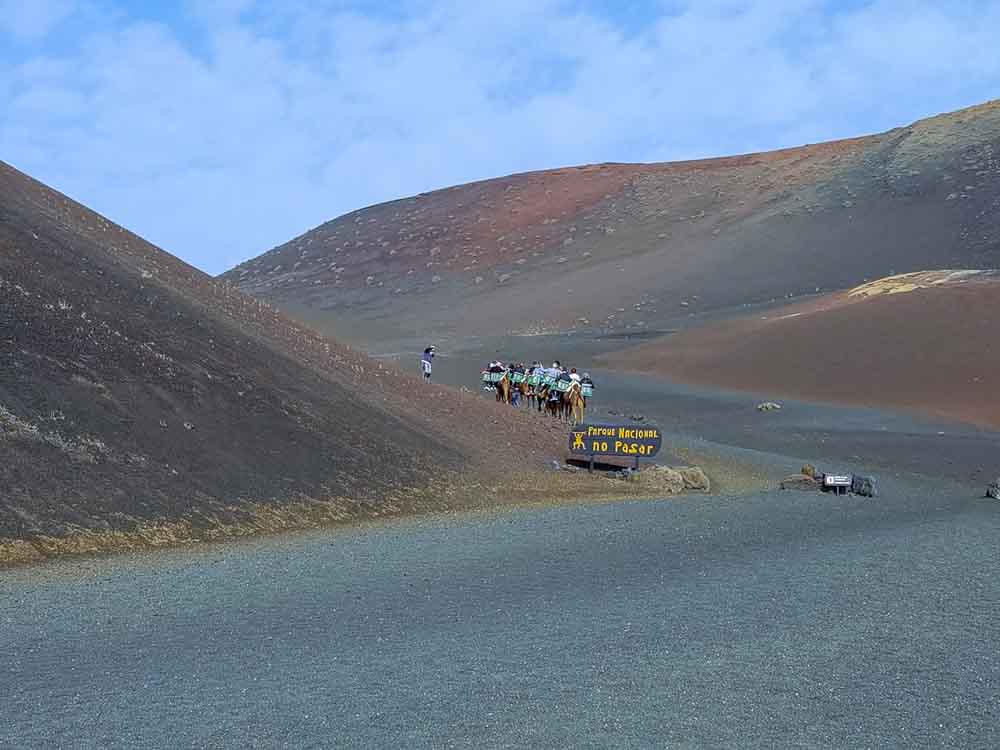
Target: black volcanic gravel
[[762, 621]]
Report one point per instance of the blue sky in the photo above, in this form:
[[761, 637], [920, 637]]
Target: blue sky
[[220, 128]]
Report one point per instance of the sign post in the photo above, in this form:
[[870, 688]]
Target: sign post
[[839, 484], [629, 441]]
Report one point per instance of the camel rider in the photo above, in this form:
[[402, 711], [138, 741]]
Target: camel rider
[[549, 373], [586, 380], [425, 362], [491, 367], [554, 373]]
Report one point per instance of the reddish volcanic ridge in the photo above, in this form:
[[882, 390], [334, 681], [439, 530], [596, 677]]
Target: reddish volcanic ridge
[[925, 342], [617, 247]]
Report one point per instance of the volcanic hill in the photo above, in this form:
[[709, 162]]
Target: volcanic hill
[[618, 247], [924, 342], [143, 402]]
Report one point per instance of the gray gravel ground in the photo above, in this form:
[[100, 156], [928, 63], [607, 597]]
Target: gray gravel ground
[[770, 620], [754, 620]]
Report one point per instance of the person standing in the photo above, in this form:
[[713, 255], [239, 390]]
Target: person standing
[[425, 362]]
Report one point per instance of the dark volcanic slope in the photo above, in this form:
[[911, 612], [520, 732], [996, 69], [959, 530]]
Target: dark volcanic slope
[[924, 342], [134, 389], [617, 246]]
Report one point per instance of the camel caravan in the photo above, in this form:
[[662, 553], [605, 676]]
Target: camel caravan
[[554, 390]]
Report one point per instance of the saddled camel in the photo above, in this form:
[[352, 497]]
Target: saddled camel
[[569, 405], [525, 389], [554, 403], [574, 404], [540, 396], [503, 388]]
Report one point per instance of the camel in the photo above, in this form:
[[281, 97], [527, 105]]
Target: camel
[[523, 390], [553, 407], [503, 388], [569, 405], [575, 404], [540, 395], [528, 393]]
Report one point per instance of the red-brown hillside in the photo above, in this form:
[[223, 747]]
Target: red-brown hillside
[[619, 246], [923, 342]]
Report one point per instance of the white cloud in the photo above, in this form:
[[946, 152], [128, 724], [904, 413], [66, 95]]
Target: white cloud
[[221, 141], [31, 19], [216, 11]]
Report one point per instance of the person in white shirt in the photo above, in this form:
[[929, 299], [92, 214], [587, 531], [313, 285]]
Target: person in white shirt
[[426, 360]]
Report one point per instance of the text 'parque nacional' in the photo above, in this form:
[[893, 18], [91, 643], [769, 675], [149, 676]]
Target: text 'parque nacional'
[[615, 440]]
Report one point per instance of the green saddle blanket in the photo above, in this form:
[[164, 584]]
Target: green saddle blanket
[[564, 385], [560, 386]]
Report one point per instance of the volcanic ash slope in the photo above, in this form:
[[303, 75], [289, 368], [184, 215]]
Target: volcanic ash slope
[[632, 246], [143, 402]]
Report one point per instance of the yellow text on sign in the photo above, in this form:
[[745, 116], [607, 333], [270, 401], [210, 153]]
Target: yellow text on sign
[[619, 447], [623, 433], [633, 449]]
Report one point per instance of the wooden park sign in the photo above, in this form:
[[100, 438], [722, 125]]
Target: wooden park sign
[[626, 441]]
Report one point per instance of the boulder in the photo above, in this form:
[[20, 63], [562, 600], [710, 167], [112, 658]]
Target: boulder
[[663, 478], [801, 482], [993, 490], [694, 478]]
